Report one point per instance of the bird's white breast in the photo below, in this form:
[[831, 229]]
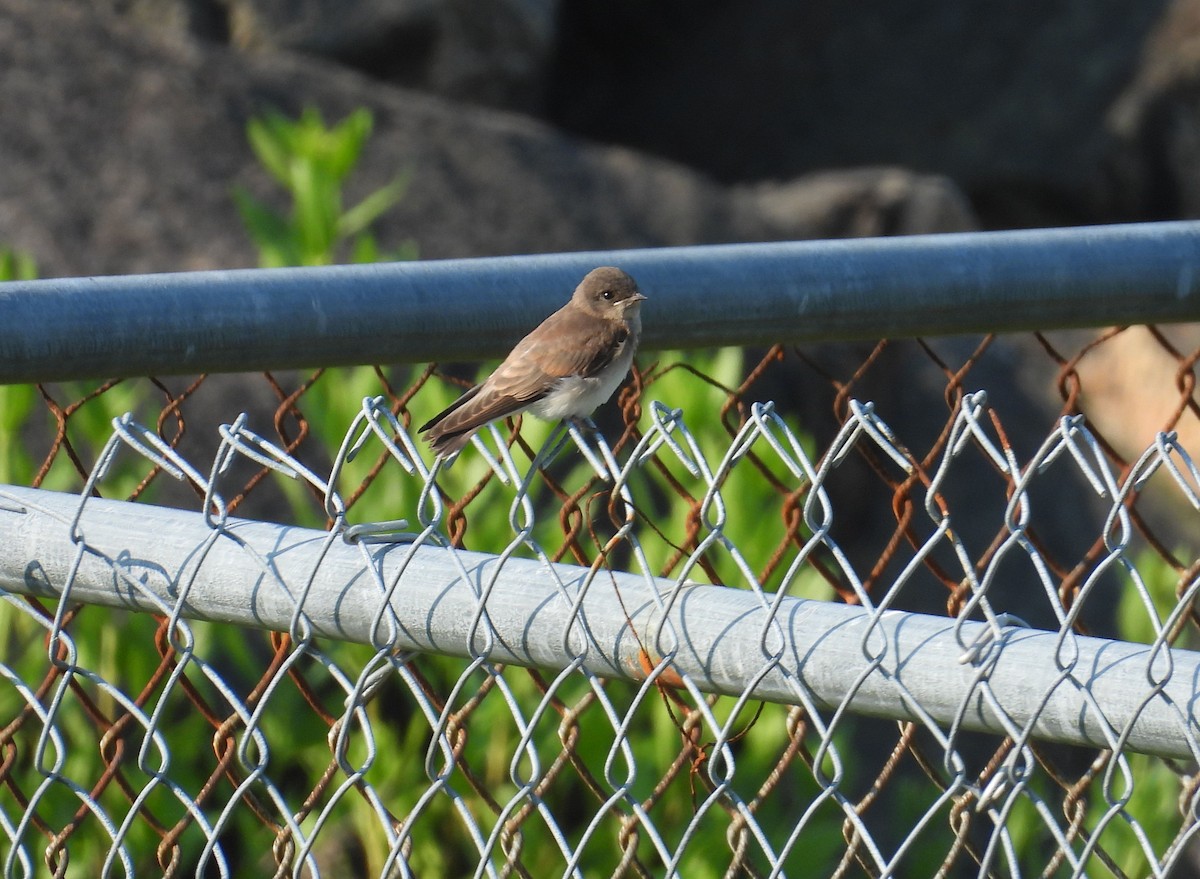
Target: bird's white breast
[[575, 396]]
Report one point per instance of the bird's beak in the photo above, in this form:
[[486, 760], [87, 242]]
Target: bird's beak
[[636, 298]]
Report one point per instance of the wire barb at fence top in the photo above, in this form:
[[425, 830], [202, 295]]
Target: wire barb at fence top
[[738, 294]]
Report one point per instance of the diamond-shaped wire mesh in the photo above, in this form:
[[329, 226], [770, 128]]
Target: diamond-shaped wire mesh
[[1006, 485]]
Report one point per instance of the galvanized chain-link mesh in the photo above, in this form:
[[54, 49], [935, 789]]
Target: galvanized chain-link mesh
[[986, 480]]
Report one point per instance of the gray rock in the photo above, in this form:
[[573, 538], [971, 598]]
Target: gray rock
[[1154, 165], [1046, 112], [494, 52], [121, 147], [334, 28], [201, 18], [865, 202], [1008, 100], [491, 52]]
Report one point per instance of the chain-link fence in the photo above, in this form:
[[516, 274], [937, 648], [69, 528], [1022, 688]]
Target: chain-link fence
[[912, 608]]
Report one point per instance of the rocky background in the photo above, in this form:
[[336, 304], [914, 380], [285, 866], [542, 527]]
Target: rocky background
[[533, 125]]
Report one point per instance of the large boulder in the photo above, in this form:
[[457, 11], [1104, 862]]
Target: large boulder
[[122, 146], [1154, 166], [493, 53], [1045, 112], [1009, 100]]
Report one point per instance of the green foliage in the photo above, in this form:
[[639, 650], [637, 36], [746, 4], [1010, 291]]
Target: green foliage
[[1152, 788], [97, 630], [16, 401], [1149, 791], [16, 404], [311, 161], [16, 265]]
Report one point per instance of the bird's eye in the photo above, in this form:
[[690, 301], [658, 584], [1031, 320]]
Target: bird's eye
[[607, 294]]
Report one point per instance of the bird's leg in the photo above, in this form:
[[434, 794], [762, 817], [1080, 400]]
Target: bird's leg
[[550, 448], [567, 429], [578, 428]]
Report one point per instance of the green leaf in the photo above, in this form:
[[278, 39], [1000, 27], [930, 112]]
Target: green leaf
[[16, 402], [346, 142], [315, 214], [16, 265], [375, 205], [365, 249], [310, 159], [406, 252], [267, 140], [272, 234]]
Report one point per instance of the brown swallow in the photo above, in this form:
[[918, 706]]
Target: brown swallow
[[566, 367]]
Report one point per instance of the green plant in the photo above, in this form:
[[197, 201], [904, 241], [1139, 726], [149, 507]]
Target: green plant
[[16, 401], [16, 265], [311, 162]]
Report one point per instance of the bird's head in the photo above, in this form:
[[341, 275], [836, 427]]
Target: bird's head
[[608, 292]]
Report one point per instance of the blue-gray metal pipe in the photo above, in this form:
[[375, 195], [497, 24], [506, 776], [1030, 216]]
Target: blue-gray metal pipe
[[738, 294], [141, 557]]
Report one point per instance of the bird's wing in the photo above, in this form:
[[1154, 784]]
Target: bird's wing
[[544, 350], [465, 398], [532, 370], [515, 384]]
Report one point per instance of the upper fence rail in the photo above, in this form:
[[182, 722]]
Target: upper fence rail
[[705, 296]]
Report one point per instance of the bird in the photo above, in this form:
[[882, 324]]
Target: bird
[[567, 366]]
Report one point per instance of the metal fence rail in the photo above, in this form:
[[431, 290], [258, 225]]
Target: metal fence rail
[[939, 633], [737, 294]]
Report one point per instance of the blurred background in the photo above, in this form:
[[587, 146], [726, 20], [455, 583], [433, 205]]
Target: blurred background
[[534, 125]]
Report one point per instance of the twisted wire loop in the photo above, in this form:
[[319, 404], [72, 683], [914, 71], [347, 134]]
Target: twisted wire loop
[[778, 646]]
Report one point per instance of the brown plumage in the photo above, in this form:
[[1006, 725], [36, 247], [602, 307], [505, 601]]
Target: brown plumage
[[566, 367]]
